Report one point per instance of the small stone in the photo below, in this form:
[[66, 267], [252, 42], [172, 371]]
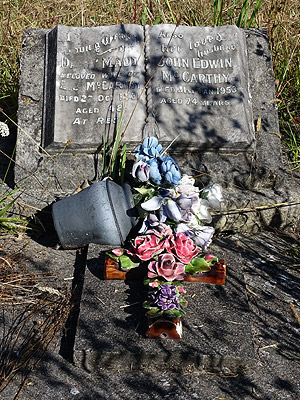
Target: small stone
[[4, 130], [74, 391]]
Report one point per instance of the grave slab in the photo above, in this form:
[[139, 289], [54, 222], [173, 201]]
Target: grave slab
[[197, 85], [273, 281], [111, 328], [93, 79]]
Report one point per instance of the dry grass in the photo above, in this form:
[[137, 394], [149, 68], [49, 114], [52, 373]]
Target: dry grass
[[281, 18], [32, 312]]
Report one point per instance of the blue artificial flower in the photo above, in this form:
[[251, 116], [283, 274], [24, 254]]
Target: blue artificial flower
[[169, 168], [154, 173], [148, 149]]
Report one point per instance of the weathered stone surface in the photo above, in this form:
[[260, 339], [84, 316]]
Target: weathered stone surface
[[216, 334], [272, 280]]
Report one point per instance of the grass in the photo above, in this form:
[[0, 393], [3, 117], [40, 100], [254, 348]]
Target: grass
[[279, 17], [9, 224]]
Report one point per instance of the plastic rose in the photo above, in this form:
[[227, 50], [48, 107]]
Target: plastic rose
[[169, 168], [147, 246], [213, 194], [148, 149], [182, 247], [167, 267], [141, 171]]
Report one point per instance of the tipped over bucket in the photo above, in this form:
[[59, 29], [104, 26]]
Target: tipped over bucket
[[102, 213]]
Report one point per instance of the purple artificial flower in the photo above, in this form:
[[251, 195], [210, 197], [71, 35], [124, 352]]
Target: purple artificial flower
[[168, 207], [165, 297], [201, 235]]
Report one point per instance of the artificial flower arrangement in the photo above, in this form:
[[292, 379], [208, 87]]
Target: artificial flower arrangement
[[174, 235]]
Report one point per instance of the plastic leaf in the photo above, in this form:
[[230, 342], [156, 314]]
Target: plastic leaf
[[127, 264], [197, 265]]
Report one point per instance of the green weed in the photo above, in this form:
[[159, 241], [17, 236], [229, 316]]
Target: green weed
[[9, 224]]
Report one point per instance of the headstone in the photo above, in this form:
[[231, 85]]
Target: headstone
[[199, 86], [207, 85]]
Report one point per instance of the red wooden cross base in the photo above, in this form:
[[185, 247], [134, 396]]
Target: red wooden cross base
[[159, 327]]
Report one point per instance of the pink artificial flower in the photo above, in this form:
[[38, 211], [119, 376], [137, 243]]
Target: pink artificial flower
[[153, 284], [161, 230], [117, 252], [209, 257], [167, 267], [181, 289], [182, 247], [147, 246]]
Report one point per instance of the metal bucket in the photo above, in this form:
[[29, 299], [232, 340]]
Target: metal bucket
[[102, 213]]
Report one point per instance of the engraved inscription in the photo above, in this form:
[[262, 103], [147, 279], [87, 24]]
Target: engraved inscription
[[99, 75], [201, 85]]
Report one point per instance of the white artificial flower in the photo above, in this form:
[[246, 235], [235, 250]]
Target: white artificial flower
[[201, 235], [214, 196], [172, 210], [186, 185], [153, 204], [202, 212], [141, 171]]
